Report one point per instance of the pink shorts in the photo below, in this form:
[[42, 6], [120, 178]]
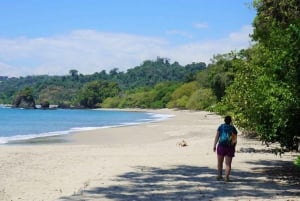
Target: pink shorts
[[226, 150]]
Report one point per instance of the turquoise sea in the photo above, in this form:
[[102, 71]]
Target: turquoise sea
[[24, 124]]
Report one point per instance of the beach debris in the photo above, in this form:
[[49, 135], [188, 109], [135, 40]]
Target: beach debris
[[59, 190], [247, 150], [182, 143]]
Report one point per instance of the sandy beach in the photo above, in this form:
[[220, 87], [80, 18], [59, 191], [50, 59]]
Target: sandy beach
[[144, 162]]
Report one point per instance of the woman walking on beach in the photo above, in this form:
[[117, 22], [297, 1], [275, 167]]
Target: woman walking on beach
[[226, 138]]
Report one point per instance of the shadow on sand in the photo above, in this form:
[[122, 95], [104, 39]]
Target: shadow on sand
[[190, 183]]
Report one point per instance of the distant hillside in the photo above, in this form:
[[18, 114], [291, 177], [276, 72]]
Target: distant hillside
[[63, 89], [3, 78]]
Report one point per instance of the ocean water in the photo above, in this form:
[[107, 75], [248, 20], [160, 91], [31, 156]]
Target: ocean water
[[23, 124]]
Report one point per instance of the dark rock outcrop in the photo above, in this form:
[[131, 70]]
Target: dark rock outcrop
[[45, 105], [26, 102]]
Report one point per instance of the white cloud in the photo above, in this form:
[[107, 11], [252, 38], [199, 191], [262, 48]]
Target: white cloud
[[204, 50], [85, 50], [201, 25], [180, 33], [90, 51], [242, 35]]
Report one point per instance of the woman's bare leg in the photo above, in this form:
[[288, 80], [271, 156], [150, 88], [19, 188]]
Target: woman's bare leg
[[228, 161], [220, 165]]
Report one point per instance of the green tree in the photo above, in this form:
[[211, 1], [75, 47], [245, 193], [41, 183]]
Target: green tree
[[148, 74], [156, 97], [73, 72], [201, 99], [279, 41], [27, 93], [57, 95], [265, 94], [25, 98], [93, 93], [222, 73], [111, 102], [181, 95], [161, 94]]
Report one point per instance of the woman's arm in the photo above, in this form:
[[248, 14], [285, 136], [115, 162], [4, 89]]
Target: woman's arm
[[216, 140]]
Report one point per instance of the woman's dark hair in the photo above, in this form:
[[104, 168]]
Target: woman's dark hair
[[227, 119]]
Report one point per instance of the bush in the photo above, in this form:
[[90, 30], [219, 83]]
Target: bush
[[181, 95], [297, 162], [201, 99]]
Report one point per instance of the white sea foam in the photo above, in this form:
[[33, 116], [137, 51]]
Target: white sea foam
[[5, 106], [4, 140], [160, 117]]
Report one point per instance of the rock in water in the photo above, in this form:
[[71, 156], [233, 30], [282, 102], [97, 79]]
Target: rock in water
[[24, 102]]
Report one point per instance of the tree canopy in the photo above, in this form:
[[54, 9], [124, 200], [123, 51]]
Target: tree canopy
[[264, 96], [91, 90]]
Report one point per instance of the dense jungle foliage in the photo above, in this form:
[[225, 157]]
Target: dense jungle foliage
[[149, 85], [265, 95], [258, 86]]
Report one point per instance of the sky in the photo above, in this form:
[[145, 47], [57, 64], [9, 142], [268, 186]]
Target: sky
[[51, 37]]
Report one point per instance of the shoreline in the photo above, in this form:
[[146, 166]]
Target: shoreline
[[122, 134], [143, 162], [61, 136]]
